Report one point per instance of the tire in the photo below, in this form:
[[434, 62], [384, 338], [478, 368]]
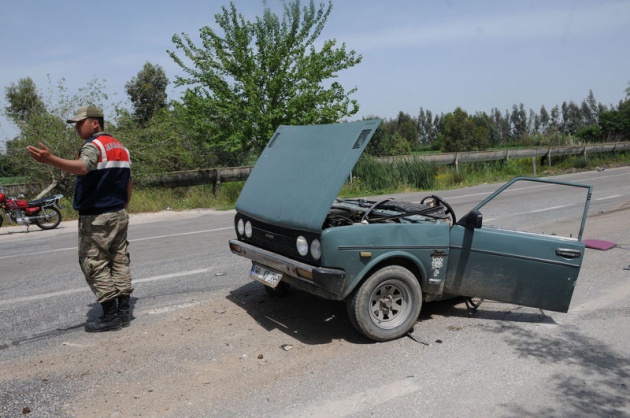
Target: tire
[[55, 218], [387, 304]]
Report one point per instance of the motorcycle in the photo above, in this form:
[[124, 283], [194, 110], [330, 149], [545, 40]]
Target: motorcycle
[[42, 212]]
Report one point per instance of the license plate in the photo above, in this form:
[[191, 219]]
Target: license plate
[[268, 277]]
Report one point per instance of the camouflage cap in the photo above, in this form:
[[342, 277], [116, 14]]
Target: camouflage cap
[[85, 112]]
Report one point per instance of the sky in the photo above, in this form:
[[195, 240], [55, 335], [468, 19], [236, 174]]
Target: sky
[[437, 55]]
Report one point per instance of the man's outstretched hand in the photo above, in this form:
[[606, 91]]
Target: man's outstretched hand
[[41, 155]]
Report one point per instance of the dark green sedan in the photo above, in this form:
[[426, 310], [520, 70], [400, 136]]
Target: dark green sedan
[[387, 257]]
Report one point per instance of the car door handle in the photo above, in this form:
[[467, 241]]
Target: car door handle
[[568, 253]]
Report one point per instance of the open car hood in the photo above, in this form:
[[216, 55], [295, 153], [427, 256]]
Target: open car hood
[[301, 171]]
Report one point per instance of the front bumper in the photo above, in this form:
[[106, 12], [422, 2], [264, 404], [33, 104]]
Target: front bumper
[[325, 282]]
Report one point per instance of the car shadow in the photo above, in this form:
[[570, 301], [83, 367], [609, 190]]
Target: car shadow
[[487, 310], [313, 320], [305, 317]]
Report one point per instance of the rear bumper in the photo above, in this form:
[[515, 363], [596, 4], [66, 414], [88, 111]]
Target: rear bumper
[[325, 282]]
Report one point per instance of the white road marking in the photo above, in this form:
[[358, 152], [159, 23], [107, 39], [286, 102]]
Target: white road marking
[[582, 181], [87, 290], [131, 240], [608, 197], [172, 308], [37, 253], [548, 209], [181, 234]]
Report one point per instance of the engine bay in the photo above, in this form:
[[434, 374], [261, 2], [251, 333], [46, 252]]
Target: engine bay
[[344, 212]]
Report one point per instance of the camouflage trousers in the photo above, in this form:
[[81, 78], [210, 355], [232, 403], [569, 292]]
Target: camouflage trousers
[[104, 254]]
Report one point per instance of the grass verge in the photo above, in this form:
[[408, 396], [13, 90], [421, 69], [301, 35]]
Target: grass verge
[[371, 178]]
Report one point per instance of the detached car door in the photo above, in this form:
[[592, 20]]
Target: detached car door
[[521, 245]]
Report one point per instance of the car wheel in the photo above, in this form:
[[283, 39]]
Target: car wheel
[[387, 304]]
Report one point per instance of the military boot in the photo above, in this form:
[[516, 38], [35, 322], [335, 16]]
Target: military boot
[[124, 311], [109, 321]]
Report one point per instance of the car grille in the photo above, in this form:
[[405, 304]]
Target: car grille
[[279, 240]]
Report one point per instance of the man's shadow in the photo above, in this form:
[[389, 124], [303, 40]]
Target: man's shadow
[[95, 311]]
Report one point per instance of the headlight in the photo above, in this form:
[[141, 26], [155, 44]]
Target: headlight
[[240, 227], [316, 249], [302, 246], [248, 229]]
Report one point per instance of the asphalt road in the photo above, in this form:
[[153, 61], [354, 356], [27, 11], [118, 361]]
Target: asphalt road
[[503, 361]]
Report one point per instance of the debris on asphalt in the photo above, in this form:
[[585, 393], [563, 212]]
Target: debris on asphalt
[[415, 339]]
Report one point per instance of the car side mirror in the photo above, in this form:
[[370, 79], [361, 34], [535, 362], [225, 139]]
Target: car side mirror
[[474, 219]]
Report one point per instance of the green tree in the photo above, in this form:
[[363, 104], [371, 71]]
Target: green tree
[[554, 120], [160, 145], [518, 119], [571, 118], [482, 119], [387, 140], [252, 77], [615, 123], [544, 119], [590, 133], [403, 128], [48, 125], [147, 92], [427, 130], [24, 101], [377, 147], [502, 126], [590, 109], [407, 128], [459, 132]]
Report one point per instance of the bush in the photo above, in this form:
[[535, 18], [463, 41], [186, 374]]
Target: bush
[[579, 162], [591, 133]]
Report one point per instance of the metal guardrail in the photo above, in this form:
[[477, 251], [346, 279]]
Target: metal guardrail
[[469, 157], [28, 189], [216, 176]]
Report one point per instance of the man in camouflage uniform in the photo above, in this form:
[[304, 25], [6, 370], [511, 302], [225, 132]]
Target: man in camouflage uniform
[[102, 193]]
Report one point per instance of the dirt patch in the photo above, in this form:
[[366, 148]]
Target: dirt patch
[[180, 361]]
